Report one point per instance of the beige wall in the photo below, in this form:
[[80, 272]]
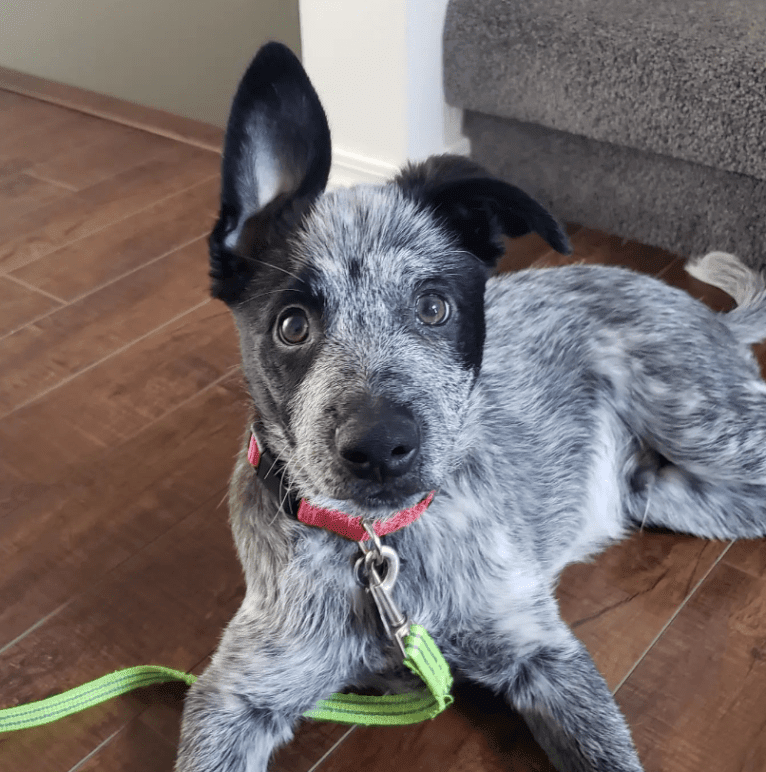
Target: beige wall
[[183, 56]]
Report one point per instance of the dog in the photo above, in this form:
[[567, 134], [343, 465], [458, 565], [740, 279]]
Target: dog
[[531, 419]]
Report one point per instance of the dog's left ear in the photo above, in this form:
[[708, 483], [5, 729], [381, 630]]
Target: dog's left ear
[[478, 207]]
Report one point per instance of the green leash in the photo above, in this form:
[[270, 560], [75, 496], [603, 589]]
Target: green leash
[[422, 657], [88, 695]]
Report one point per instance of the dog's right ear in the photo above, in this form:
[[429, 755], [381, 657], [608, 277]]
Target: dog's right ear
[[276, 161], [478, 207]]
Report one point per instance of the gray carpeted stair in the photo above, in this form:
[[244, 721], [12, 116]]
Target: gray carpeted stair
[[642, 119]]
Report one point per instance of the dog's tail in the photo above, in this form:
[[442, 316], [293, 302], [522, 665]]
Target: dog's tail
[[748, 288]]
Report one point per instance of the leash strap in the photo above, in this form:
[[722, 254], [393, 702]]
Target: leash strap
[[88, 695], [422, 657]]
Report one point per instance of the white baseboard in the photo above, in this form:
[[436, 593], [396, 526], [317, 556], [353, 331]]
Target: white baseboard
[[461, 147], [351, 169]]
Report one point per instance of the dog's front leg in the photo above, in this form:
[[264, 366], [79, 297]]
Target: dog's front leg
[[564, 701], [248, 700], [226, 732]]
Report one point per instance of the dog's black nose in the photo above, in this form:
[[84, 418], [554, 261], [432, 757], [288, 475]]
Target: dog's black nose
[[378, 440]]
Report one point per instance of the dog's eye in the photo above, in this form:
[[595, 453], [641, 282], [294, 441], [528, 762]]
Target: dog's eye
[[432, 309], [293, 326]]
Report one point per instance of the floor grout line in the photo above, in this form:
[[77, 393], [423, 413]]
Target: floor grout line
[[672, 618], [221, 378], [21, 636], [109, 356], [42, 178], [95, 289], [315, 766], [101, 745], [128, 437], [31, 287], [666, 268], [104, 227], [96, 581]]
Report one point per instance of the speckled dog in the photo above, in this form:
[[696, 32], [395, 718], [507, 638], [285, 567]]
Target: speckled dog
[[550, 410]]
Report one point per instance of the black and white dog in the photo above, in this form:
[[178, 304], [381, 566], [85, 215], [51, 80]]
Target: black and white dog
[[551, 411]]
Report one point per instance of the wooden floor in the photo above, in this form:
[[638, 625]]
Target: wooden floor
[[121, 408]]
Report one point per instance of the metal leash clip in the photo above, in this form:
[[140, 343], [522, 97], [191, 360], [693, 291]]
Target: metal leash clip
[[374, 560]]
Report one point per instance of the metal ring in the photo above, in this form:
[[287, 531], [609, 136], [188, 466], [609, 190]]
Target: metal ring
[[368, 526]]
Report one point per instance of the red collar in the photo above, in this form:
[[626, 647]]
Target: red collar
[[338, 522]]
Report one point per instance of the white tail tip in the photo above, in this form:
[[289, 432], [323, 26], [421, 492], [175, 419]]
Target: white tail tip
[[729, 273]]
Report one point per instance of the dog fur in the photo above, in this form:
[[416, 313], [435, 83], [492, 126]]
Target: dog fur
[[552, 410]]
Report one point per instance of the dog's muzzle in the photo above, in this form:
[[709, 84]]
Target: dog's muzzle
[[378, 440]]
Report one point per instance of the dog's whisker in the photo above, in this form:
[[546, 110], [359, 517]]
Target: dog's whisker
[[646, 508], [279, 458], [267, 293], [277, 268]]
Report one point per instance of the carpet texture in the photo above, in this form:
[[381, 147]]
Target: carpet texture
[[643, 119], [685, 78]]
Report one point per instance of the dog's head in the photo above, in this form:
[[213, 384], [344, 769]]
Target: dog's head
[[360, 311]]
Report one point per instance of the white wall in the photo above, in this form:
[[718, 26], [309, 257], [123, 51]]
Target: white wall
[[376, 65]]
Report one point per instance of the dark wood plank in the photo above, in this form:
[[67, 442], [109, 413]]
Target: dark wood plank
[[56, 347], [115, 504], [9, 167], [64, 744], [749, 556], [31, 130], [20, 304], [102, 257], [596, 247], [94, 151], [14, 489], [620, 602], [312, 740], [760, 354], [22, 193], [9, 100], [134, 747], [523, 252], [50, 227], [480, 735], [112, 402], [166, 604], [697, 700]]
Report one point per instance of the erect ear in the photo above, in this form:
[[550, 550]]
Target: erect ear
[[276, 161], [478, 207]]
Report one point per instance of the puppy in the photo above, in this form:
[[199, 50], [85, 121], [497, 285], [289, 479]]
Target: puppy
[[542, 415]]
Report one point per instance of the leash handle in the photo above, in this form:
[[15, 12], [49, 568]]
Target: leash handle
[[421, 656]]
